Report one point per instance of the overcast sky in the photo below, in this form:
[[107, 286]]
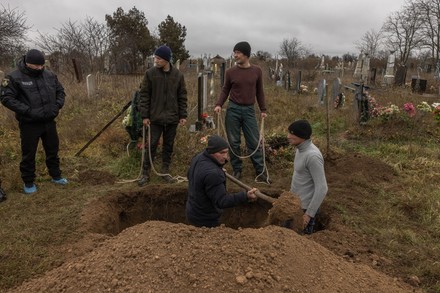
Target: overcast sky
[[213, 27]]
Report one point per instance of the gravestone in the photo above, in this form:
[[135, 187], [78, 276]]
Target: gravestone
[[362, 103], [322, 65], [298, 82], [373, 76], [437, 71], [389, 72], [400, 77], [358, 69], [365, 68], [322, 91], [91, 85], [418, 85], [336, 88]]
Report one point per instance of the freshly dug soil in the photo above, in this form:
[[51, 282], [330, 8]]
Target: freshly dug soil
[[166, 257]]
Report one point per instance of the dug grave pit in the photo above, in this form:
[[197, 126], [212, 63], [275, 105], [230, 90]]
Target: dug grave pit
[[115, 212]]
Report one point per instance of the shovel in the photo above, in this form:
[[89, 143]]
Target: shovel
[[247, 187]]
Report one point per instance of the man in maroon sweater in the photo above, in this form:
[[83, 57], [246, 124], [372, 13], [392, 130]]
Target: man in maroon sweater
[[244, 86]]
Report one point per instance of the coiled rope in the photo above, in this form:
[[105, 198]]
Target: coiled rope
[[261, 144]]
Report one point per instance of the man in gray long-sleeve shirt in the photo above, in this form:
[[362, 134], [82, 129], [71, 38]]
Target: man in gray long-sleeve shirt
[[308, 180]]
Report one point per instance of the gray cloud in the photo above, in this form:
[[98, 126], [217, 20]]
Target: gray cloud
[[325, 26]]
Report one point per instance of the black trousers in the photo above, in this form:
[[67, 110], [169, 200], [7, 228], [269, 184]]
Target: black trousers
[[30, 134], [168, 133]]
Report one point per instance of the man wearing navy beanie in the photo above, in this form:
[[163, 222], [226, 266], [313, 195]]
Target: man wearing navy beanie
[[163, 106], [243, 87], [308, 180], [163, 52]]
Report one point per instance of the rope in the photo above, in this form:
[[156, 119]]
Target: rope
[[260, 143], [142, 160], [177, 178]]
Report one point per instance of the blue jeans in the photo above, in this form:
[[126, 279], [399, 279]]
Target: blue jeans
[[243, 118]]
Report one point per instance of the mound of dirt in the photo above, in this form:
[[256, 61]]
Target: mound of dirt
[[159, 256], [166, 257]]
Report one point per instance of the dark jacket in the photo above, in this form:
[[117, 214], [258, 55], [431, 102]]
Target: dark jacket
[[32, 96], [163, 96], [207, 194]]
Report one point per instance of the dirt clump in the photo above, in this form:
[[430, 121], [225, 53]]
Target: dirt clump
[[287, 208]]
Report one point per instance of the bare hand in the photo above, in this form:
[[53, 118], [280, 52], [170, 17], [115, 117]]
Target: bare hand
[[146, 121], [217, 109], [306, 220], [263, 115], [182, 121], [251, 195]]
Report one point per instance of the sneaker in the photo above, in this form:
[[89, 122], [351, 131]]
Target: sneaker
[[30, 188], [262, 179], [60, 181], [237, 174], [144, 180], [168, 179]]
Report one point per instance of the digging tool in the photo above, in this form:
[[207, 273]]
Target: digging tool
[[103, 129], [247, 187]]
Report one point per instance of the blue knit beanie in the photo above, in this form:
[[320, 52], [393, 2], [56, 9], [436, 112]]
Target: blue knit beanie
[[34, 57], [163, 52]]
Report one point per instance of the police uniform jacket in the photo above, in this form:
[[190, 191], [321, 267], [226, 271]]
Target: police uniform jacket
[[33, 96]]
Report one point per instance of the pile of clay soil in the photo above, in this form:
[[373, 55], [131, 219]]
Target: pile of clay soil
[[160, 256], [166, 257]]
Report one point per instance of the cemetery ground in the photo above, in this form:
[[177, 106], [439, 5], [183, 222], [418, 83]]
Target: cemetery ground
[[379, 229]]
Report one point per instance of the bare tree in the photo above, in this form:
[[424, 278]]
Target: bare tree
[[87, 42], [431, 26], [292, 49], [12, 32], [403, 30], [370, 42]]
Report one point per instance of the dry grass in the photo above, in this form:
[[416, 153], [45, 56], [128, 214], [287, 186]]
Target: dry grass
[[33, 228]]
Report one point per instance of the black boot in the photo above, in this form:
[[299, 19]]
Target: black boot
[[2, 194], [145, 178], [167, 177]]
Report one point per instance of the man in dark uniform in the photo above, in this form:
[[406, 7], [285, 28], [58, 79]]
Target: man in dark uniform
[[36, 96]]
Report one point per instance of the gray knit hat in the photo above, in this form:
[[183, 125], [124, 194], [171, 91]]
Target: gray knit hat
[[216, 144]]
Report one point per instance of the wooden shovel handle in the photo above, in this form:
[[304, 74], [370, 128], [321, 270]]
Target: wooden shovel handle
[[247, 187]]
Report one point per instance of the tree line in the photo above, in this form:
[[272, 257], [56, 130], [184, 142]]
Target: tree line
[[122, 43]]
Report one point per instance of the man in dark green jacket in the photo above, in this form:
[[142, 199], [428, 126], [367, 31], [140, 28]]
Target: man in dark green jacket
[[163, 105], [36, 96]]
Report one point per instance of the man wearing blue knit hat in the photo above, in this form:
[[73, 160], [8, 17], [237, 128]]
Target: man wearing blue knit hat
[[163, 106]]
